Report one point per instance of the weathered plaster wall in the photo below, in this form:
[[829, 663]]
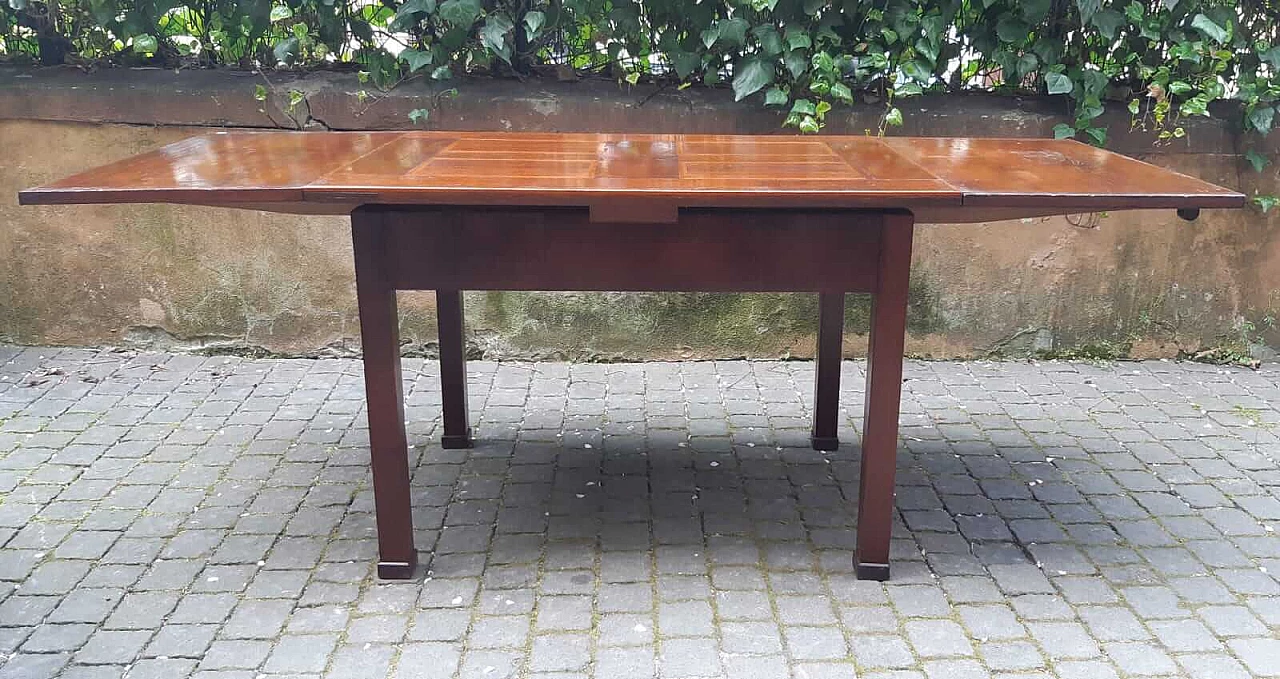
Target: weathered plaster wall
[[1145, 283]]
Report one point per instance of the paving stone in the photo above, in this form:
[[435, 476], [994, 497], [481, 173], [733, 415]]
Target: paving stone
[[559, 653], [181, 641], [301, 653], [428, 661], [112, 647], [694, 657], [938, 638], [882, 652], [57, 638], [1070, 520], [626, 662], [1261, 656]]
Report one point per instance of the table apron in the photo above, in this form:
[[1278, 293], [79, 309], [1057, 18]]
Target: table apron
[[561, 249]]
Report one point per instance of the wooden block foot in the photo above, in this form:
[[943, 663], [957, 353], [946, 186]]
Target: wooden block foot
[[397, 570], [456, 440], [824, 442], [878, 572]]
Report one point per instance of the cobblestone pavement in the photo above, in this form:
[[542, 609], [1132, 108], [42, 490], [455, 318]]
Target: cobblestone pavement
[[167, 516]]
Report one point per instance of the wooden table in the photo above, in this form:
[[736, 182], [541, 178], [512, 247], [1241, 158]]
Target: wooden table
[[454, 211]]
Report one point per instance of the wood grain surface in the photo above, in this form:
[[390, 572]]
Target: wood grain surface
[[628, 176]]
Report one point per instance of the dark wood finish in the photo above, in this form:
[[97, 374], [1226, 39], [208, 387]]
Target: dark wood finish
[[384, 394], [883, 399], [645, 177], [826, 381], [453, 369], [707, 250], [450, 211]]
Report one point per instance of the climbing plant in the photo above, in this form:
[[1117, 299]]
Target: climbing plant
[[1162, 60]]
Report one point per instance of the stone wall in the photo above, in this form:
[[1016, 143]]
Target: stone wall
[[1133, 283]]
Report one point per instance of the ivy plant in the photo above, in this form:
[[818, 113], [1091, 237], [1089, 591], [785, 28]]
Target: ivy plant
[[1164, 61]]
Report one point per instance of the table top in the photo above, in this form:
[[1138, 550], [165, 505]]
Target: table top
[[940, 179]]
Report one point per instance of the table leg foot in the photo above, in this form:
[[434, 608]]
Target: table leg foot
[[384, 390], [826, 378], [451, 441], [824, 442], [879, 572], [883, 400], [397, 570], [453, 370]]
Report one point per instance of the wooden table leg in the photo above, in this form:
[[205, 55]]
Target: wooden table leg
[[380, 338], [883, 399], [453, 369], [826, 380]]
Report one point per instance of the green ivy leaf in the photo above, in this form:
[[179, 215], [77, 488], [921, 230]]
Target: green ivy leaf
[[686, 63], [710, 35], [795, 63], [775, 96], [1271, 56], [1058, 83], [1179, 87], [419, 115], [494, 35], [1210, 29], [893, 117], [259, 93], [908, 90], [1262, 118], [442, 73], [460, 12], [804, 107], [145, 44], [1257, 160], [1097, 135], [1026, 64], [286, 51], [280, 13], [917, 71], [1063, 131], [733, 32], [1035, 11], [1012, 29], [533, 22], [798, 38], [1265, 203], [770, 41], [841, 92], [810, 125], [1108, 22], [750, 75], [1088, 8], [416, 59]]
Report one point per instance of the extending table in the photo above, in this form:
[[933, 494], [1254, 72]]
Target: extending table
[[454, 211]]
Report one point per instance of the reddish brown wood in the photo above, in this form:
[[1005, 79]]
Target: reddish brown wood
[[883, 398], [634, 212], [453, 369], [826, 382], [380, 338], [560, 249], [624, 177]]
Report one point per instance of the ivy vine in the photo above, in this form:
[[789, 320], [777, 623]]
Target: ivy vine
[[1162, 60]]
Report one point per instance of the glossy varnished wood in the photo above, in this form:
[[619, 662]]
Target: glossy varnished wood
[[615, 175], [560, 249], [455, 211]]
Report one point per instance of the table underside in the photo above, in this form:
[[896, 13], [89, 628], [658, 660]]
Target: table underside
[[448, 250]]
